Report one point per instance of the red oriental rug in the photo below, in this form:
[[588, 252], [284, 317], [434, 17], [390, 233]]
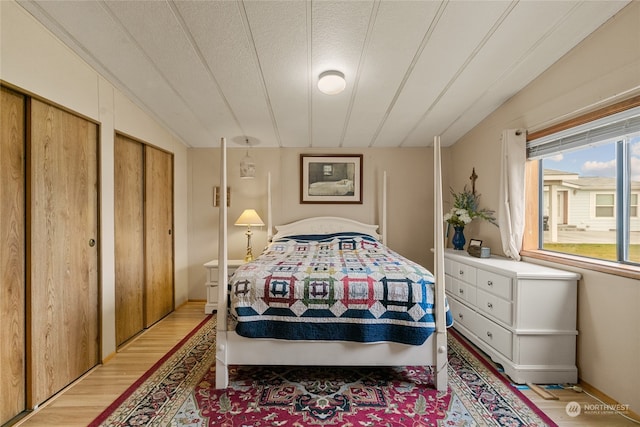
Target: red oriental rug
[[179, 391]]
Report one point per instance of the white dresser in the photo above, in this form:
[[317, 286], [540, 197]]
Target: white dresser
[[212, 281], [522, 315]]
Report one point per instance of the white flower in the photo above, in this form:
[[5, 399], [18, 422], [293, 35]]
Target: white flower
[[458, 217]]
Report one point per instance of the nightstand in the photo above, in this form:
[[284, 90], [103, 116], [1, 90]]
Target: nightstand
[[212, 281]]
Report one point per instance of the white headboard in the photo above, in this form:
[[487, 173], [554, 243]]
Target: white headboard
[[325, 225]]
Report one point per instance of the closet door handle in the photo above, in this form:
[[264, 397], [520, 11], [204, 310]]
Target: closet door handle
[[92, 242]]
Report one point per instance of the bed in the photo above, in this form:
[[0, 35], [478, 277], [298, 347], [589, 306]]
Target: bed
[[406, 326], [331, 188]]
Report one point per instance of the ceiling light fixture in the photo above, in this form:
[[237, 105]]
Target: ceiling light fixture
[[331, 82]]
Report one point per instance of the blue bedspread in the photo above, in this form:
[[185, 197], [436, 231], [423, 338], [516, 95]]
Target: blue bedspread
[[342, 286]]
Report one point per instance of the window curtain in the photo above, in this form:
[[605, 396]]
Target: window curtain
[[511, 203]]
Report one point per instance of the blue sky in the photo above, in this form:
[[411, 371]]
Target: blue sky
[[597, 160]]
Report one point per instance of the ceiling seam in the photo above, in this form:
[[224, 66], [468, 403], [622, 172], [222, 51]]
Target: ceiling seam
[[515, 64], [466, 63], [133, 40], [103, 71], [256, 58], [356, 81], [309, 17], [407, 74], [203, 61]]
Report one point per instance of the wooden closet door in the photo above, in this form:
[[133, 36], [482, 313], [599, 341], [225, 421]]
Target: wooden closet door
[[12, 255], [62, 285], [129, 238], [158, 234]]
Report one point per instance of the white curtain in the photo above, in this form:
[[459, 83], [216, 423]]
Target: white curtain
[[511, 203]]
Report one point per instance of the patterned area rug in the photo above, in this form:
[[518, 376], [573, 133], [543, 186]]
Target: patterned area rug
[[179, 391]]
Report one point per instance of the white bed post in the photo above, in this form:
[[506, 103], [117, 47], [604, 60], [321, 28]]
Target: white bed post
[[441, 374], [269, 218], [222, 370], [384, 207]]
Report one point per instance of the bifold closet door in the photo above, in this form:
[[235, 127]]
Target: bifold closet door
[[158, 214], [12, 255], [62, 254], [129, 238]]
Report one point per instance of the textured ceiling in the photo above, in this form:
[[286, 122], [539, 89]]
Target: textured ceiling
[[248, 69]]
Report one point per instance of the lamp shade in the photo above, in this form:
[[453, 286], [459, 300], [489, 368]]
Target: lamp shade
[[249, 218], [331, 82]]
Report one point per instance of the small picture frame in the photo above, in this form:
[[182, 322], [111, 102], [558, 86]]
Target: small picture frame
[[331, 178]]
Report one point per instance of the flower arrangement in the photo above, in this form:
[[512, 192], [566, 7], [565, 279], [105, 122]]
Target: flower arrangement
[[466, 208]]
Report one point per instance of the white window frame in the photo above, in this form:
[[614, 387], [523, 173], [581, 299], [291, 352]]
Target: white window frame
[[594, 204]]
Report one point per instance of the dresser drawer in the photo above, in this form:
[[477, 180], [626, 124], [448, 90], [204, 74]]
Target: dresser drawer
[[494, 283], [212, 274], [463, 272], [495, 335], [494, 306], [465, 291], [462, 314], [212, 293], [448, 283]]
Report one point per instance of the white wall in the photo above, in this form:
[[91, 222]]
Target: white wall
[[604, 68], [36, 62], [409, 193]]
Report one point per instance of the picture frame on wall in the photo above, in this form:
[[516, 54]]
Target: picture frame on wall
[[331, 178]]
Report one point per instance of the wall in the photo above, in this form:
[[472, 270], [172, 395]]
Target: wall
[[603, 69], [409, 200], [36, 62]]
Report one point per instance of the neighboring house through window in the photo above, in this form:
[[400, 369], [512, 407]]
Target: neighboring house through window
[[589, 182]]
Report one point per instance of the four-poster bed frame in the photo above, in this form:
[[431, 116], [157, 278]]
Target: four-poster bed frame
[[233, 349]]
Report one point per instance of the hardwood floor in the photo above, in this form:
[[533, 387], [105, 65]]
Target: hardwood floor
[[80, 403], [556, 410]]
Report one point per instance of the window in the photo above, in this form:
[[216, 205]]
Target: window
[[605, 205], [589, 182]]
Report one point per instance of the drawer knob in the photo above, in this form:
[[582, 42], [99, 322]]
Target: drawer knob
[[460, 315], [461, 291], [489, 334], [489, 283], [489, 305], [461, 272]]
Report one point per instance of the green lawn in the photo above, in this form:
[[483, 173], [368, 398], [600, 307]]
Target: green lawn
[[594, 250]]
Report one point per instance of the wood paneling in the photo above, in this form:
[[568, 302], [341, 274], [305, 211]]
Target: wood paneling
[[158, 234], [129, 238], [62, 284], [12, 255]]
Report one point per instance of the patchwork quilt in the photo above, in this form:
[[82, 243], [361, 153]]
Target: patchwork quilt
[[342, 286]]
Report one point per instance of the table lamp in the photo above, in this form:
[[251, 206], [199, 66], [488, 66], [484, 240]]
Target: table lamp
[[248, 218]]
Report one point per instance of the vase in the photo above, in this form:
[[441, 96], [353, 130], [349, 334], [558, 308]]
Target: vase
[[458, 238]]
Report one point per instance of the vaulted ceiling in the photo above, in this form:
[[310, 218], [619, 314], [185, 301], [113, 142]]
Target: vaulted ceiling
[[249, 69]]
